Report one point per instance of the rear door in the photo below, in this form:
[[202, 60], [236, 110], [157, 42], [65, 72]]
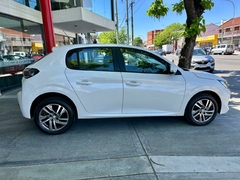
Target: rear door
[[92, 73]]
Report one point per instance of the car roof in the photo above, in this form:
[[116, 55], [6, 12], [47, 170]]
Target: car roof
[[68, 47]]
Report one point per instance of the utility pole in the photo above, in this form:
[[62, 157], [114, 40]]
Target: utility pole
[[117, 32], [127, 22], [132, 2], [232, 19]]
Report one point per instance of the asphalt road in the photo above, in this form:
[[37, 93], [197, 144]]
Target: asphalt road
[[130, 148]]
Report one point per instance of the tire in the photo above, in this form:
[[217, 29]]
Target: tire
[[54, 116], [211, 71], [201, 109]]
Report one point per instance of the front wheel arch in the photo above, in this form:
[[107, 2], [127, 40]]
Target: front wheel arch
[[206, 94], [217, 98]]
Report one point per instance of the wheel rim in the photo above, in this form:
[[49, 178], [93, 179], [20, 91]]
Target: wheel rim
[[53, 117], [203, 110]]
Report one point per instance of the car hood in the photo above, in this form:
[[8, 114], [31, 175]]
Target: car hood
[[206, 75], [200, 58]]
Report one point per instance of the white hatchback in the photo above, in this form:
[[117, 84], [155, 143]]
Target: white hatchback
[[104, 81]]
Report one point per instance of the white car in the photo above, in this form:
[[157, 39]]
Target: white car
[[104, 81], [223, 49]]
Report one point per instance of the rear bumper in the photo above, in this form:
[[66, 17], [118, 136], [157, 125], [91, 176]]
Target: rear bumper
[[21, 105]]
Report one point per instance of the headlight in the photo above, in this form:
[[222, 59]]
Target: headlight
[[211, 60], [224, 83]]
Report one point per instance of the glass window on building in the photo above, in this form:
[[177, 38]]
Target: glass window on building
[[17, 44], [28, 3], [103, 8]]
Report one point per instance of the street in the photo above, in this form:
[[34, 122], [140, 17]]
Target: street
[[130, 148]]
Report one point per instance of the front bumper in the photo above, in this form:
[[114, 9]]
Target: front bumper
[[203, 66]]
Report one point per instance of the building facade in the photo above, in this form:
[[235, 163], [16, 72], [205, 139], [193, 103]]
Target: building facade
[[229, 32], [208, 38], [150, 38], [21, 25], [70, 17]]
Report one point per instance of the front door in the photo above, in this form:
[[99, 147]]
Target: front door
[[148, 86]]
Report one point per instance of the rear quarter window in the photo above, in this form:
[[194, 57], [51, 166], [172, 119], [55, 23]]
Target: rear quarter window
[[72, 60]]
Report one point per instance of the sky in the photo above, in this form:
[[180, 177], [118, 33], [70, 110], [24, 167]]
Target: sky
[[222, 10]]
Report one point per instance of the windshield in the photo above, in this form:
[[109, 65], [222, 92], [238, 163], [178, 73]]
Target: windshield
[[198, 52]]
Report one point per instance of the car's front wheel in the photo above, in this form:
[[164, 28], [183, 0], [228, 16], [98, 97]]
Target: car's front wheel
[[54, 115], [201, 110]]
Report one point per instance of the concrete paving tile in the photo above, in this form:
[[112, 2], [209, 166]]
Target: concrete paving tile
[[195, 164], [175, 137], [80, 170], [131, 177], [87, 140], [198, 176]]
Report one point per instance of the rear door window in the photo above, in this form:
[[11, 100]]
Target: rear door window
[[95, 59]]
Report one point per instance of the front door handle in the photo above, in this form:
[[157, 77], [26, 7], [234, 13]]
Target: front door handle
[[133, 83], [84, 82]]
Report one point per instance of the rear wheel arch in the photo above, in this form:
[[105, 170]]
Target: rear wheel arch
[[51, 95]]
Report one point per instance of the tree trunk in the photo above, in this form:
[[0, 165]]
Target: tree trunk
[[194, 10]]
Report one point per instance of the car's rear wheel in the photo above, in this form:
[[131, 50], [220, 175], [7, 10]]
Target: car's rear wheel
[[201, 110], [54, 115]]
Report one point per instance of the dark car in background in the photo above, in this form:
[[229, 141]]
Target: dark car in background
[[160, 52], [207, 50], [11, 57]]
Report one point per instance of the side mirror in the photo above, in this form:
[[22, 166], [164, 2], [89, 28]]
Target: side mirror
[[173, 69]]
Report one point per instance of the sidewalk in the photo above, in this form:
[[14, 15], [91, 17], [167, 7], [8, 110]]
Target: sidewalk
[[236, 52], [119, 149]]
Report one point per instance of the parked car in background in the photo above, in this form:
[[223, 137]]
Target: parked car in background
[[207, 50], [200, 60], [106, 81], [160, 52], [11, 57], [22, 54], [223, 49]]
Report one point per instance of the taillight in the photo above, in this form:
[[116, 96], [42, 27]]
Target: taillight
[[30, 72]]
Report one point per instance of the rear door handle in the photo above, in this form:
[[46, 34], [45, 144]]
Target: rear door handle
[[133, 83], [84, 82]]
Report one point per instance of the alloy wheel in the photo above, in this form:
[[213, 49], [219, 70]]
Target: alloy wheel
[[203, 110], [53, 117]]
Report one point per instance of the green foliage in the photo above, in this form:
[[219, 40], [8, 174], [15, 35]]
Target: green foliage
[[178, 7], [170, 33], [110, 37], [157, 9], [137, 41], [196, 27], [207, 4]]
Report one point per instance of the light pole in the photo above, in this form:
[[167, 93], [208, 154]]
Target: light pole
[[232, 19]]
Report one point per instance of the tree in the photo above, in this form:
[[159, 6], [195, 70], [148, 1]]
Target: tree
[[170, 33], [195, 23], [110, 37], [137, 41]]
